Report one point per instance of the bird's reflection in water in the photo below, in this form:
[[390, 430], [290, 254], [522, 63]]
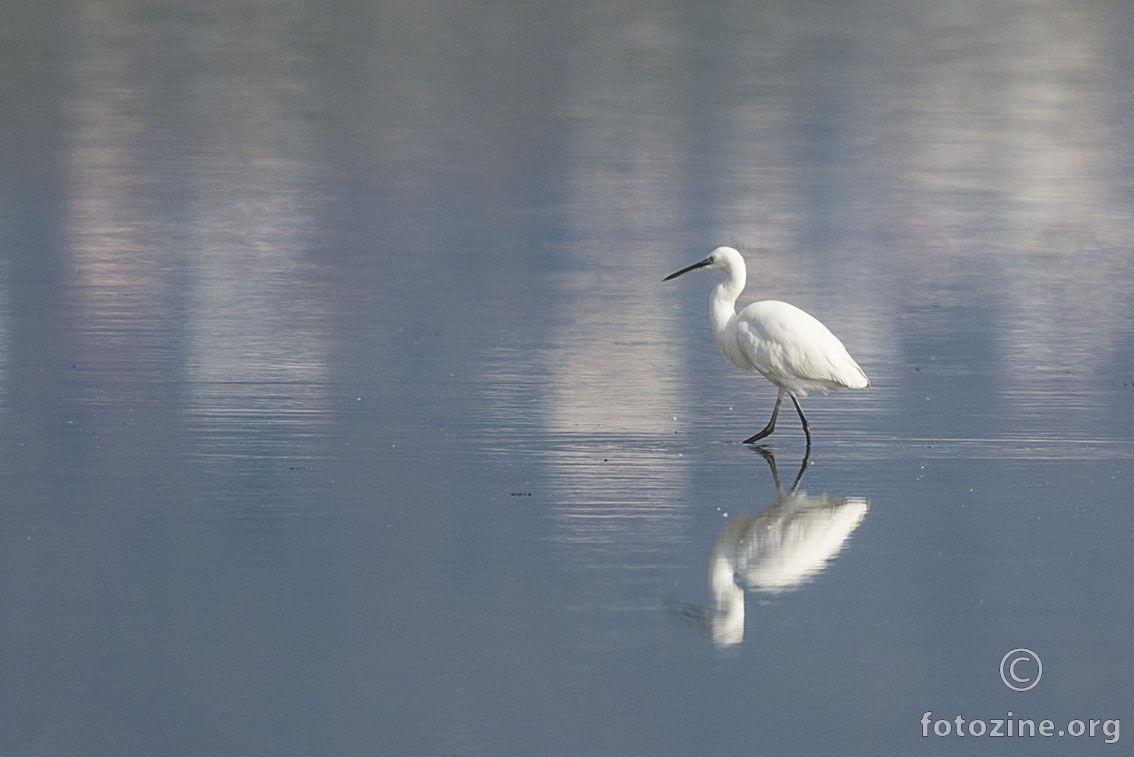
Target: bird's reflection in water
[[780, 549]]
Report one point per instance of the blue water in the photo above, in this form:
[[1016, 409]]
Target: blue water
[[344, 410]]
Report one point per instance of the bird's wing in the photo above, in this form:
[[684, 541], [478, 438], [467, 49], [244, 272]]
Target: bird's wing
[[793, 349]]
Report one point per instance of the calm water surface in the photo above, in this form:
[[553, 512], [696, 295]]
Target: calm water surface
[[344, 411]]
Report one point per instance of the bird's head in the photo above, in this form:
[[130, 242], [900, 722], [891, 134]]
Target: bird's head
[[723, 258]]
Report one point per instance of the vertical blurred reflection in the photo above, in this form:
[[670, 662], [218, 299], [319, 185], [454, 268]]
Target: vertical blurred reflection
[[622, 166], [788, 544], [116, 227], [192, 215], [1019, 139]]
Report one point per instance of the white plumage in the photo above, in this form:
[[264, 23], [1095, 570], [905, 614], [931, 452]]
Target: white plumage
[[784, 344]]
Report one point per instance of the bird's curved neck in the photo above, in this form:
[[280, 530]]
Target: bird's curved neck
[[722, 302]]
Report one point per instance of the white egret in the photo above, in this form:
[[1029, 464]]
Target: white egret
[[784, 344]]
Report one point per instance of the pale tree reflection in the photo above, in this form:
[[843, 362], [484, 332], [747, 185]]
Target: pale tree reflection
[[193, 226], [788, 544]]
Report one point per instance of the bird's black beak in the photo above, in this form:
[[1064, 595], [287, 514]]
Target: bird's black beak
[[687, 269]]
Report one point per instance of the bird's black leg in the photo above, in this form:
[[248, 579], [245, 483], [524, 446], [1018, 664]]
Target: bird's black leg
[[806, 425], [772, 422], [802, 469], [770, 459]]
